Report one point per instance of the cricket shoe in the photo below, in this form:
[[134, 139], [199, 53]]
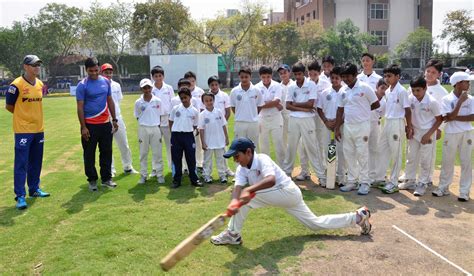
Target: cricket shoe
[[463, 197], [39, 193], [303, 176], [390, 188], [379, 184], [407, 185], [348, 187], [439, 192], [93, 186], [364, 189], [142, 180], [161, 180], [364, 223], [225, 237], [21, 203], [207, 179], [223, 180], [153, 173], [109, 184], [130, 171], [420, 189]]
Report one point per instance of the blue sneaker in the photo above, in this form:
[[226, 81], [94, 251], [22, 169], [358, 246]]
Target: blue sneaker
[[21, 203], [39, 193]]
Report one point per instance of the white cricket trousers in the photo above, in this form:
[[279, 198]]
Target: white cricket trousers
[[150, 137], [291, 199], [166, 134], [374, 137], [248, 130], [320, 137], [286, 115], [272, 126], [356, 151], [341, 162], [419, 154], [199, 152], [390, 149], [453, 143], [220, 162], [120, 138], [304, 129]]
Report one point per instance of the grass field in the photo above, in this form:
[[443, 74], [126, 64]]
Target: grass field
[[129, 229]]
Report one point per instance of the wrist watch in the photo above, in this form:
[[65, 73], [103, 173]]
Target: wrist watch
[[114, 120]]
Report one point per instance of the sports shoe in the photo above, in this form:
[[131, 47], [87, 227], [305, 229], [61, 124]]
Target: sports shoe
[[93, 186], [21, 203], [364, 189], [302, 176], [161, 180], [439, 192], [176, 184], [407, 185], [113, 173], [225, 237], [153, 174], [142, 180], [364, 223], [186, 171], [207, 179], [402, 178], [420, 189], [230, 173], [348, 187], [223, 180], [39, 193], [197, 183], [379, 184], [200, 170], [390, 188], [463, 197], [130, 171], [322, 182], [109, 184]]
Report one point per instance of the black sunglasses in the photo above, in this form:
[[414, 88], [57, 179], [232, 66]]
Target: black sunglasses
[[35, 65]]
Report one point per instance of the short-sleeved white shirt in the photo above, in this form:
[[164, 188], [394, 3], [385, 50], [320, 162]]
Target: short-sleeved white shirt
[[423, 112], [320, 87], [397, 101], [246, 103], [323, 77], [117, 96], [272, 93], [284, 92], [262, 166], [212, 123], [467, 108], [371, 80], [196, 94], [377, 114], [177, 101], [357, 102], [184, 119], [221, 101], [148, 113], [305, 93], [328, 102], [165, 94]]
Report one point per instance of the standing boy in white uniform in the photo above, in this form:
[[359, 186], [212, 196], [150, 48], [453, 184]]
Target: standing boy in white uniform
[[300, 102], [196, 93], [221, 102], [327, 110], [213, 131], [397, 126], [426, 119], [258, 174], [328, 64], [458, 111], [246, 102], [354, 107], [165, 93], [120, 136], [285, 73], [270, 119], [148, 111]]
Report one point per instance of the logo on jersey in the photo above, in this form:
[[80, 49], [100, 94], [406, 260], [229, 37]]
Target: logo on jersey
[[206, 120], [12, 90], [23, 141], [328, 97], [395, 137], [239, 97], [30, 100], [343, 96], [469, 142], [178, 114]]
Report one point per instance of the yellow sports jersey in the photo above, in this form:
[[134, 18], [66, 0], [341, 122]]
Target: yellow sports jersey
[[28, 102]]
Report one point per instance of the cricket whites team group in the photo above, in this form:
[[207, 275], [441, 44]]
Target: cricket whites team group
[[370, 116]]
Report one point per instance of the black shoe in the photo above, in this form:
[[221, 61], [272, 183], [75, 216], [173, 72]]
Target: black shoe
[[175, 184], [198, 183]]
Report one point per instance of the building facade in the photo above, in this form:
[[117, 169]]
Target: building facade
[[389, 20]]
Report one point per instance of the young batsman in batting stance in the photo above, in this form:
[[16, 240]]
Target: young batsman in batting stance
[[259, 174]]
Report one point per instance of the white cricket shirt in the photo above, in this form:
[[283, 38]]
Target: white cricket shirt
[[184, 119], [148, 113], [272, 93], [246, 103], [467, 108], [212, 123], [397, 101], [262, 166], [357, 102], [423, 112], [308, 91]]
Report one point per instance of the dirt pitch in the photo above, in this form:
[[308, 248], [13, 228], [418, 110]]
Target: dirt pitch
[[443, 224]]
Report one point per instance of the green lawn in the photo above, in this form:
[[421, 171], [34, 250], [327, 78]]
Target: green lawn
[[129, 229]]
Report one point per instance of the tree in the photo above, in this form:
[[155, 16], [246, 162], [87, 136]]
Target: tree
[[345, 43], [107, 30], [459, 28], [227, 36], [161, 20], [14, 45], [416, 48], [311, 39]]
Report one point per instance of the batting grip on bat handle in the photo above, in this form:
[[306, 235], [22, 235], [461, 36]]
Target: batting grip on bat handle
[[240, 204]]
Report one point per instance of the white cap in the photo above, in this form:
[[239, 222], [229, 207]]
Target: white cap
[[145, 82], [460, 76]]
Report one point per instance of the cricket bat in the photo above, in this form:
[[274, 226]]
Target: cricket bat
[[192, 241], [331, 164]]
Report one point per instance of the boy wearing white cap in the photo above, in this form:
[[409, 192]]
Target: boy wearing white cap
[[148, 112], [258, 176], [458, 112]]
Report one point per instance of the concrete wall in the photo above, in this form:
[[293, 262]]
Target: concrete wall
[[400, 27], [355, 10]]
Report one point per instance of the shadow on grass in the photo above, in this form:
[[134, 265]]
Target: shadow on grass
[[271, 253], [151, 186], [81, 198], [8, 214]]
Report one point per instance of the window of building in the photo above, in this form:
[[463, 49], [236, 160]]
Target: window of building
[[314, 14], [308, 15], [381, 38], [297, 21], [378, 11]]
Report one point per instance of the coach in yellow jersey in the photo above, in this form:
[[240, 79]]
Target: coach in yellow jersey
[[24, 100]]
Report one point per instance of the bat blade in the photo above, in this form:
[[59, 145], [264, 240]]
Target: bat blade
[[331, 164], [191, 242]]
